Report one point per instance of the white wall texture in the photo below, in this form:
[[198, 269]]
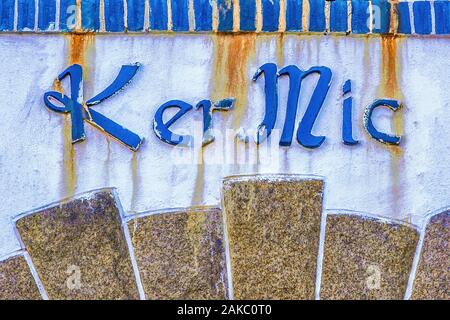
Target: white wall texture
[[37, 165]]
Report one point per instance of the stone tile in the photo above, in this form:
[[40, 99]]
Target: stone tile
[[16, 280], [273, 224], [433, 272], [366, 258], [80, 239], [181, 255]]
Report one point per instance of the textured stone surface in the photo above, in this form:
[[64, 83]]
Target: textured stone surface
[[80, 237], [366, 258], [180, 255], [16, 281], [433, 273], [273, 225]]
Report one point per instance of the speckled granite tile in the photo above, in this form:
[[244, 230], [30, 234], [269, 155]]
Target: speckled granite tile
[[433, 272], [366, 258], [180, 255], [16, 280], [273, 224], [79, 250]]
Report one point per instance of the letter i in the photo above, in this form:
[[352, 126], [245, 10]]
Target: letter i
[[347, 130]]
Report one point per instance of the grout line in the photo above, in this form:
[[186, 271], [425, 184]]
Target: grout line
[[36, 15], [305, 15], [349, 16], [415, 264], [282, 16], [137, 274], [15, 253], [102, 16], [380, 218], [125, 15], [16, 14], [215, 16], [35, 275], [132, 216], [227, 248], [191, 15], [433, 17], [146, 15], [320, 254], [411, 17], [327, 13], [30, 263], [57, 13], [258, 16], [126, 232], [169, 16]]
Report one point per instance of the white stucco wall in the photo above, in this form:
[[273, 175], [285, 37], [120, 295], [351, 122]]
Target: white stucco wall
[[368, 177]]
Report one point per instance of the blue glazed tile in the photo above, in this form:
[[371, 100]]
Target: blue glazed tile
[[67, 15], [90, 15], [294, 15], [404, 21], [47, 15], [25, 17], [203, 15], [158, 15], [360, 16], [442, 17], [114, 13], [317, 15], [381, 22], [271, 14], [225, 8], [338, 16], [136, 15], [248, 15], [180, 15], [6, 15], [422, 17]]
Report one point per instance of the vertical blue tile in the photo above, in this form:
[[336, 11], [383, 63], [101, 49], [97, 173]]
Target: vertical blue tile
[[271, 14], [225, 15], [180, 15], [67, 15], [442, 17], [136, 15], [404, 21], [317, 15], [294, 9], [422, 17], [6, 15], [25, 18], [47, 15], [338, 16], [114, 14], [382, 16], [360, 16], [90, 15], [203, 15], [248, 15], [158, 14]]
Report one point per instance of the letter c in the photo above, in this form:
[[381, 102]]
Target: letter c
[[394, 105]]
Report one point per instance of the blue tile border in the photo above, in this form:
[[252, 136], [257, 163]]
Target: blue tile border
[[414, 17]]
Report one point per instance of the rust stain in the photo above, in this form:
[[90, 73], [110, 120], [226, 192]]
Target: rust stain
[[69, 164], [135, 181], [390, 88], [230, 79], [78, 46], [393, 27], [198, 194], [280, 49]]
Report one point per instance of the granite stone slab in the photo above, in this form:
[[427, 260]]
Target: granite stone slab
[[79, 250], [16, 280], [181, 255], [273, 224], [433, 272], [366, 258]]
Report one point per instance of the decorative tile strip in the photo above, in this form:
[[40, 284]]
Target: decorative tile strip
[[366, 16]]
